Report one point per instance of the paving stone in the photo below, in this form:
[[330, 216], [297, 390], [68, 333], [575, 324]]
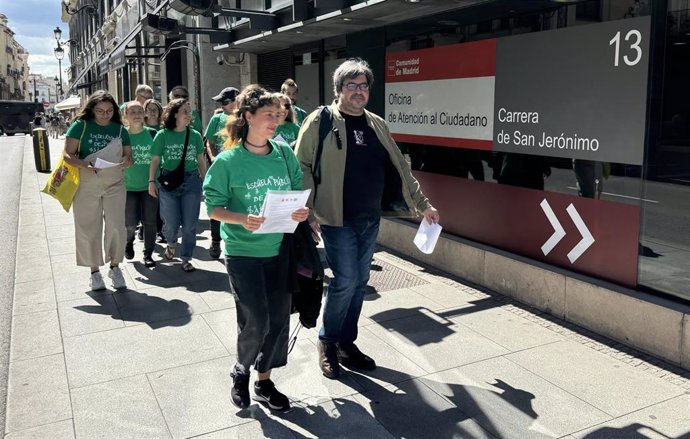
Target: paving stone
[[34, 296], [267, 428], [334, 418], [446, 295], [59, 430], [108, 355], [37, 393], [412, 410], [606, 383], [118, 409], [435, 343], [195, 399], [37, 269], [512, 402], [35, 335], [503, 327], [395, 304], [95, 313], [668, 419]]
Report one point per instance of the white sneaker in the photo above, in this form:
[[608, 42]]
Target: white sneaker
[[96, 282], [118, 279]]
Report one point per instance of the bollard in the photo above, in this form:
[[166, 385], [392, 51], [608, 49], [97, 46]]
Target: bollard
[[41, 150]]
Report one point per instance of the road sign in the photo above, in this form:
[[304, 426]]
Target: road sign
[[46, 104]]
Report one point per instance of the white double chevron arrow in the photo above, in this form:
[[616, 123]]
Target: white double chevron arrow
[[558, 232]]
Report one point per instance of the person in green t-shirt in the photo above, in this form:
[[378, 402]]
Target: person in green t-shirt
[[181, 92], [290, 89], [141, 206], [214, 144], [97, 133], [288, 130], [235, 188], [179, 206]]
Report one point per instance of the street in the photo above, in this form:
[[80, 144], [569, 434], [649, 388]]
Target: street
[[454, 360], [10, 184]]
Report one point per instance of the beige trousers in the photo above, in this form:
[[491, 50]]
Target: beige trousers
[[100, 199]]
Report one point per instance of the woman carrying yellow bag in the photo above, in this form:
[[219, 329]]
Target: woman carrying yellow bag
[[98, 145], [63, 183]]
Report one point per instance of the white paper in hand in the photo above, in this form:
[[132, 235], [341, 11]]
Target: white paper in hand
[[427, 236], [104, 164]]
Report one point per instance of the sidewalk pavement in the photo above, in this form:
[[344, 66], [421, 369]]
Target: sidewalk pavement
[[455, 361]]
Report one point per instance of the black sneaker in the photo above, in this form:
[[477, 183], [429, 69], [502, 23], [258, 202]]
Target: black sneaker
[[129, 250], [148, 260], [214, 251], [351, 357], [240, 390], [161, 239], [266, 393]]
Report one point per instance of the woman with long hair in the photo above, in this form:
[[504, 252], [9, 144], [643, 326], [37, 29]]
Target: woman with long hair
[[179, 206], [181, 92], [288, 130], [235, 187], [141, 206], [97, 133]]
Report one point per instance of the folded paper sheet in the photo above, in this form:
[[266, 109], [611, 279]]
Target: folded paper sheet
[[426, 237]]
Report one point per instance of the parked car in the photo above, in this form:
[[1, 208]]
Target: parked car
[[16, 116]]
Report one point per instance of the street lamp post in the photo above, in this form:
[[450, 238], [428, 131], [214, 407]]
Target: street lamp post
[[59, 52]]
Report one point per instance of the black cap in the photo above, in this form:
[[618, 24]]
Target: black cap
[[228, 93]]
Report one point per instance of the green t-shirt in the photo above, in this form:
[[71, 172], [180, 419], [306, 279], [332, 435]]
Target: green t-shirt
[[137, 175], [301, 115], [238, 180], [288, 132], [196, 122], [95, 137], [169, 145], [216, 124]]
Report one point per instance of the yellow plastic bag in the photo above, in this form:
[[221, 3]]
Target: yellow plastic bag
[[63, 183]]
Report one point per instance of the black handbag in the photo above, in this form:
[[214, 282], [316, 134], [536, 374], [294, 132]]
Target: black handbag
[[304, 270], [171, 180]]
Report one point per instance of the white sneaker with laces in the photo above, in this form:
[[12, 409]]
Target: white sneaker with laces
[[118, 279], [96, 282]]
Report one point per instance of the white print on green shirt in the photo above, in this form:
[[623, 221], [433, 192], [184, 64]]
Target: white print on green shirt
[[97, 142], [255, 196], [141, 154]]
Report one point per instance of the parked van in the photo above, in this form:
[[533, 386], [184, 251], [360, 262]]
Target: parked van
[[16, 116]]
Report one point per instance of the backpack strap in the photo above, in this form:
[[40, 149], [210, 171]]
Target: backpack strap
[[325, 127]]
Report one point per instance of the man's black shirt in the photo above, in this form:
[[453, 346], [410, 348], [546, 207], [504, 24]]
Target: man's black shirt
[[365, 170]]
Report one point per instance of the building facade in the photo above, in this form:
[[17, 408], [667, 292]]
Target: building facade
[[14, 67], [551, 133]]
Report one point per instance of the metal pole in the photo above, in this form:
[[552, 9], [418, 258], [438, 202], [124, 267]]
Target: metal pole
[[35, 91], [60, 70]]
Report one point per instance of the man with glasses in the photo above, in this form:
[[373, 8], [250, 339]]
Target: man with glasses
[[142, 93], [181, 92], [362, 175], [214, 145]]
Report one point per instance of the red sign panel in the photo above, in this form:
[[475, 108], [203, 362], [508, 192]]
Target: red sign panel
[[594, 237]]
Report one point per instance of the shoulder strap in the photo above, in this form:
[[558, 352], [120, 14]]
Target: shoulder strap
[[184, 151], [82, 135], [325, 127]]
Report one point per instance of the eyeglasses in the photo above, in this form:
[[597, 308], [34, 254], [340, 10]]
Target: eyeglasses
[[145, 96], [226, 102], [103, 112], [180, 97], [352, 86]]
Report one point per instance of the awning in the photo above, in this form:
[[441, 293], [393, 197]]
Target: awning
[[70, 103]]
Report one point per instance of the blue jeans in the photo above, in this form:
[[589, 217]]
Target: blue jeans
[[181, 207], [349, 250]]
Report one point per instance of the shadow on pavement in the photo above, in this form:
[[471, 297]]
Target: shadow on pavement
[[133, 306]]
